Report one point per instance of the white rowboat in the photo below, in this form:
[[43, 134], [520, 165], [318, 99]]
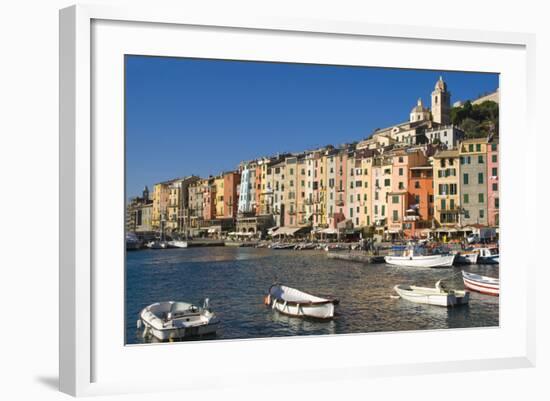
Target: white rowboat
[[175, 320], [439, 295], [293, 302], [483, 284]]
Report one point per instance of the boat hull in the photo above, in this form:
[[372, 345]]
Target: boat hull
[[421, 261], [324, 311], [432, 297], [178, 244], [181, 332], [481, 284], [466, 258]]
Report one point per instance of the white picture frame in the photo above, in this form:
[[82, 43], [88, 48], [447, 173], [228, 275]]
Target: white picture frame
[[83, 325]]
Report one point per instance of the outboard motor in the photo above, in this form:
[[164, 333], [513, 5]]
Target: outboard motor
[[206, 303]]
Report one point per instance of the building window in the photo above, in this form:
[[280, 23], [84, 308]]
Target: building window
[[466, 178], [497, 203], [350, 212], [387, 182], [375, 209], [471, 147], [494, 172], [466, 214], [401, 185], [401, 170], [395, 199], [466, 198], [383, 210], [495, 186], [443, 204], [480, 178], [417, 184], [480, 159], [481, 213], [395, 216], [494, 158], [494, 147], [480, 198], [478, 147]]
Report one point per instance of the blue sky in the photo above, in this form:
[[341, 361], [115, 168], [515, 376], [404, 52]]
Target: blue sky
[[191, 116]]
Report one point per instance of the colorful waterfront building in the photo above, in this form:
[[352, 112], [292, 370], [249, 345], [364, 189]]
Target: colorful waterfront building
[[161, 195], [421, 201], [366, 159], [247, 189], [301, 169], [195, 210], [139, 212], [278, 173], [398, 197], [209, 199], [290, 198], [341, 187], [382, 176], [231, 181], [493, 201], [473, 181], [446, 170]]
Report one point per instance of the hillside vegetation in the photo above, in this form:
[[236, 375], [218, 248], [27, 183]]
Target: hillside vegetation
[[476, 120]]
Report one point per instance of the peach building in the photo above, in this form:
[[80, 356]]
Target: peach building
[[231, 181]]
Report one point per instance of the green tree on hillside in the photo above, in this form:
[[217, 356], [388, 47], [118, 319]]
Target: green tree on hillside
[[476, 120]]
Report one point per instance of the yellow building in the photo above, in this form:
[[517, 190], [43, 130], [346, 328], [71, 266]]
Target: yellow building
[[218, 184], [161, 194], [446, 169]]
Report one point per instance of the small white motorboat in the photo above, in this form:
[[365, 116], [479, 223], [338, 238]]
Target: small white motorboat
[[416, 257], [439, 295], [176, 320], [466, 257], [157, 244], [177, 244], [488, 255], [483, 284], [293, 302]]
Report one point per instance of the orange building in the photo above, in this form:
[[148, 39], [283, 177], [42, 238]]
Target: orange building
[[231, 183], [421, 201]]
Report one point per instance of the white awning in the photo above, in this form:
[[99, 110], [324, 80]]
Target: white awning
[[329, 231]]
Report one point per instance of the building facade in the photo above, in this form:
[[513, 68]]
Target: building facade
[[473, 181]]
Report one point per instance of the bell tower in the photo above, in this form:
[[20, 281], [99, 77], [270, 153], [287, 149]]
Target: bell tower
[[441, 103]]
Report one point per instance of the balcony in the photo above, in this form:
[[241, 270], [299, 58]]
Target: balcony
[[339, 203]]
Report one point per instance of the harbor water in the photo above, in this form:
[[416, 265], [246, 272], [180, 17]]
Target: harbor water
[[236, 280]]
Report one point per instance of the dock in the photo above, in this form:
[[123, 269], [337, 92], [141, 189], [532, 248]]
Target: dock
[[355, 256]]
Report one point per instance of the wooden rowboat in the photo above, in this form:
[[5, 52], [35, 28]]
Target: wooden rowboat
[[483, 284], [293, 302]]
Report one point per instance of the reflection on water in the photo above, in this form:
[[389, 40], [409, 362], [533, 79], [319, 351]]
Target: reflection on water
[[235, 280]]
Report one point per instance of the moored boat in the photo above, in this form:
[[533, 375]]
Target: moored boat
[[177, 244], [488, 255], [466, 258], [415, 256], [293, 302], [132, 242], [157, 244], [483, 284], [176, 320], [439, 295]]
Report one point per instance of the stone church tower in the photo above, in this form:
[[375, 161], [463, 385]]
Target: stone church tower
[[441, 103]]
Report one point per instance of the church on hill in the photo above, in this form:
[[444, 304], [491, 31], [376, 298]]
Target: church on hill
[[425, 125]]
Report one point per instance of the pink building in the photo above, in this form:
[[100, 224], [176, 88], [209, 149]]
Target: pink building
[[492, 184]]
